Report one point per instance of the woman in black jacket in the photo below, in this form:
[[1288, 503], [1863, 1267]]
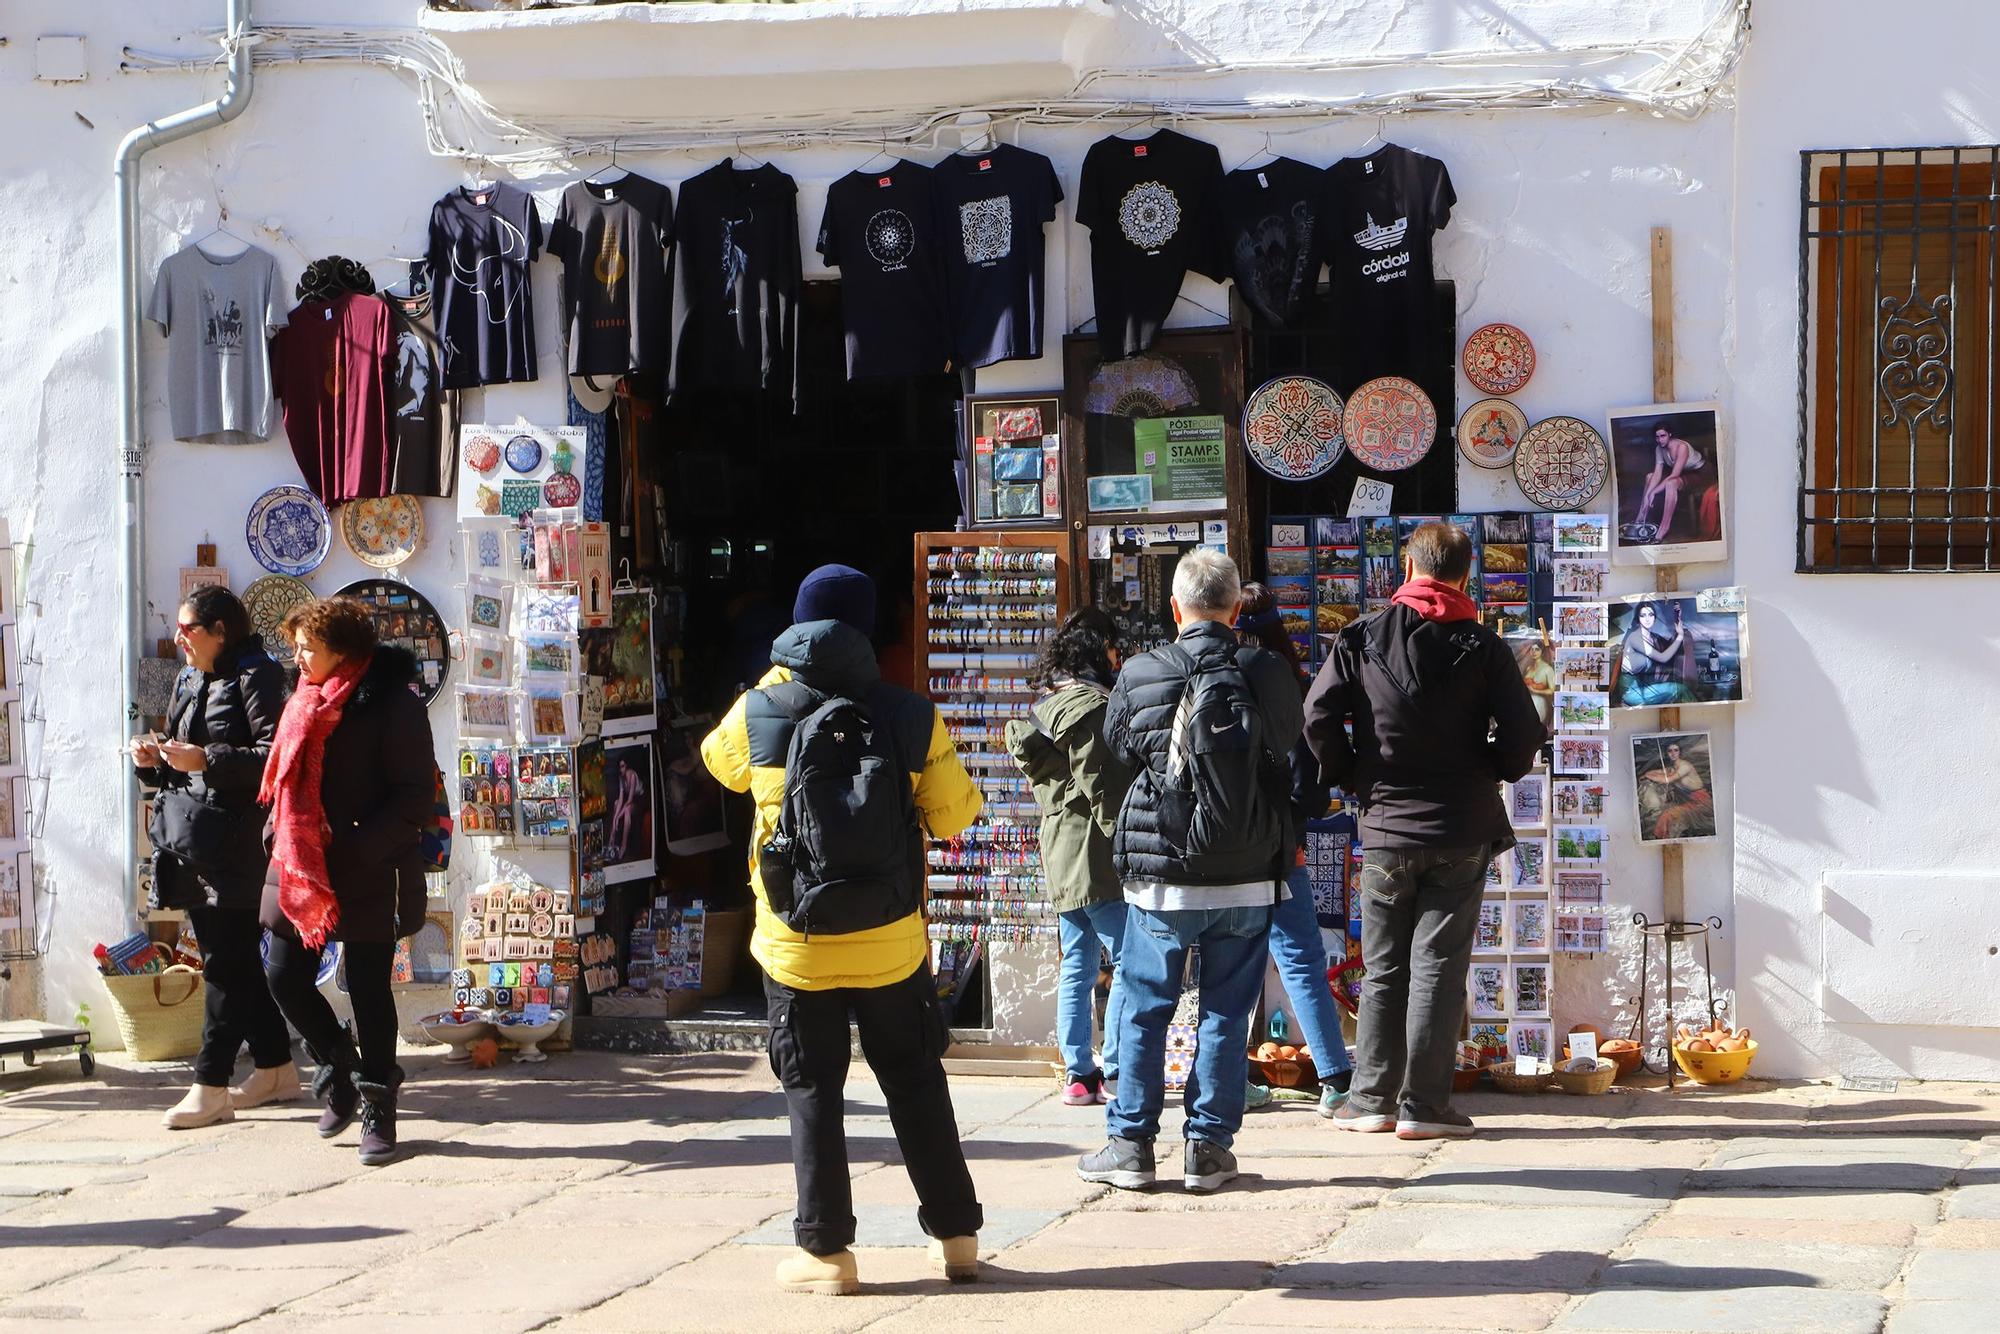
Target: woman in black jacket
[[352, 784], [208, 858]]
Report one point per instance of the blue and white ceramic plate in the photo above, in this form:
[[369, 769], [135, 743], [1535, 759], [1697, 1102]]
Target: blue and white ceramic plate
[[289, 531], [524, 453]]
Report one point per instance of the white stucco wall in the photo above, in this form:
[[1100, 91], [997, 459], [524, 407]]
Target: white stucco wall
[[1550, 233], [1867, 752]]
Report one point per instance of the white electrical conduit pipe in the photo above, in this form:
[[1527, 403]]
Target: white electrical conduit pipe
[[236, 44]]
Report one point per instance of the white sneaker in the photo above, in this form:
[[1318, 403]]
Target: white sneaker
[[280, 1083], [204, 1105]]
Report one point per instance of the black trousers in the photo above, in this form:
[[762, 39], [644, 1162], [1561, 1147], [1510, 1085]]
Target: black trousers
[[293, 971], [903, 1037], [237, 1005]]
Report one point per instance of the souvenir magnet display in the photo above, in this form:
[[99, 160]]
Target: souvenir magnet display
[[406, 618], [288, 531], [1390, 424], [1292, 427]]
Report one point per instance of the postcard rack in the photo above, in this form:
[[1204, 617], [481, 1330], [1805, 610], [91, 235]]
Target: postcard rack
[[986, 602]]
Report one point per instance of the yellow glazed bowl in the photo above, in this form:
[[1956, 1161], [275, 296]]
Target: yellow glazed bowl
[[1715, 1067]]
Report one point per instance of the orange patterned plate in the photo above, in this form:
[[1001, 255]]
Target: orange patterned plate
[[1490, 430], [383, 532], [1498, 358], [1390, 424]]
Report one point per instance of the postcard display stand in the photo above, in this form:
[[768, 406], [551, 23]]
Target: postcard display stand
[[19, 934], [987, 602], [522, 714], [1325, 572]]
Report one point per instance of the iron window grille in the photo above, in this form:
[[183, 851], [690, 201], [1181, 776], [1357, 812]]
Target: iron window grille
[[1899, 289]]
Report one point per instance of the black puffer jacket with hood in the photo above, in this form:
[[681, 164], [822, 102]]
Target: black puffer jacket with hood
[[1441, 717]]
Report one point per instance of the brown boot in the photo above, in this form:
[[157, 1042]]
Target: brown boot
[[828, 1275]]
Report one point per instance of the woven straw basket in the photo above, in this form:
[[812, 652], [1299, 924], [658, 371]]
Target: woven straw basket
[[159, 1014]]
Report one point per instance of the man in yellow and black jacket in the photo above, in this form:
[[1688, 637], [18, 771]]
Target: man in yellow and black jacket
[[881, 975]]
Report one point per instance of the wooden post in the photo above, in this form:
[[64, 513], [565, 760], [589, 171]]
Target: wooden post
[[1666, 578]]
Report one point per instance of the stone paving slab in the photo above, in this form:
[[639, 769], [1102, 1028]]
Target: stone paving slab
[[1455, 1230], [1847, 1162], [1958, 1317], [1674, 1264], [1410, 1306], [1779, 1310], [1949, 1276]]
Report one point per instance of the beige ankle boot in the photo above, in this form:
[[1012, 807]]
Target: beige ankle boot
[[828, 1275], [280, 1083], [956, 1257], [204, 1105]]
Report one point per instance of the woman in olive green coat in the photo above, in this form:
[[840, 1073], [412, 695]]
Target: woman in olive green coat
[[1079, 785]]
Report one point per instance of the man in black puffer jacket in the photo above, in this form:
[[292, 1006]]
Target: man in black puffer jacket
[[1202, 846], [1440, 717]]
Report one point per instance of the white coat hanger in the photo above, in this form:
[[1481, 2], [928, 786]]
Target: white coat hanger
[[882, 152], [976, 135], [1151, 121], [1265, 151], [221, 228], [599, 177], [742, 157], [1378, 137]]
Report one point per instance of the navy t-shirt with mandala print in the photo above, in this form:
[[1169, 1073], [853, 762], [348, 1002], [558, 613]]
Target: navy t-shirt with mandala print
[[992, 207], [1152, 208], [881, 232]]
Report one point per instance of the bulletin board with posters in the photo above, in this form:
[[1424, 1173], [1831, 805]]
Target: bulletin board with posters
[[1155, 438]]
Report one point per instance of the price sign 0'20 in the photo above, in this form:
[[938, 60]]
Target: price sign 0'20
[[1370, 498]]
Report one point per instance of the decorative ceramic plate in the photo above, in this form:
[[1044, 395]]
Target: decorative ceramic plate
[[1498, 358], [1490, 430], [1562, 463], [524, 453], [1292, 427], [562, 491], [267, 600], [483, 453], [1390, 424], [406, 618], [383, 532], [288, 530]]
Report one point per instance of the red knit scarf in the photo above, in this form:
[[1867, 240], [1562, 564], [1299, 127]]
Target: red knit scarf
[[1435, 601], [291, 790]]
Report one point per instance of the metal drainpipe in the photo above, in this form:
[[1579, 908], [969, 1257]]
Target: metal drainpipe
[[131, 452]]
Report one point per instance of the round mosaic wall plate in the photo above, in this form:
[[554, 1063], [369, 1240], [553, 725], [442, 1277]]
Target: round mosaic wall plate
[[288, 530], [1562, 463], [524, 453], [1390, 424], [406, 618], [383, 532], [1498, 358], [483, 453], [1292, 427], [267, 600], [1489, 432]]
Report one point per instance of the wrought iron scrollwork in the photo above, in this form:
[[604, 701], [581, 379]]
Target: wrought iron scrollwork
[[1913, 338]]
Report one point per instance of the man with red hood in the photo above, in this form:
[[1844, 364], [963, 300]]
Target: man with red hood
[[1441, 717]]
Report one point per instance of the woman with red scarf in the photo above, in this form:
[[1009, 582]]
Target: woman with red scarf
[[351, 784]]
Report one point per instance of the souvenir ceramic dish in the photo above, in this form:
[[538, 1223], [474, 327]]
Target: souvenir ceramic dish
[[1489, 432], [457, 1032], [483, 453], [383, 532], [524, 453], [1390, 424], [1562, 463], [562, 490], [288, 531], [406, 618], [1292, 427], [267, 600], [1498, 358]]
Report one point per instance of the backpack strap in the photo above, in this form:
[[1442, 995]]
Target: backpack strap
[[795, 699]]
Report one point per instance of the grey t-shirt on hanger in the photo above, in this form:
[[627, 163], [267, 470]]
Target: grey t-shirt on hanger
[[218, 315]]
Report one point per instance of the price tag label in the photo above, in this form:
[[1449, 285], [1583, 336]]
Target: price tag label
[[1525, 1065], [1582, 1045], [1371, 498]]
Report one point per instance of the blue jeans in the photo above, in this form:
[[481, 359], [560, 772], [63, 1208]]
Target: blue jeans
[[1300, 953], [1234, 945], [1082, 931]]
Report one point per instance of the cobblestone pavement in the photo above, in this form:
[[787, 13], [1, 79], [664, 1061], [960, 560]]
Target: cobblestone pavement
[[602, 1192]]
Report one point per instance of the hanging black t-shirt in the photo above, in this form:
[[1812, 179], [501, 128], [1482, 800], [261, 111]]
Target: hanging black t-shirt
[[881, 232], [739, 261], [1380, 212], [1151, 206], [423, 414], [1270, 222], [992, 207], [481, 245], [614, 241]]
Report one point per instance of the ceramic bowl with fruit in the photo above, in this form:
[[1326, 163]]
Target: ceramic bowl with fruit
[[1717, 1054]]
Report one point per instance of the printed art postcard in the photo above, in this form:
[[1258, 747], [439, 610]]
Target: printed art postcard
[[1668, 470]]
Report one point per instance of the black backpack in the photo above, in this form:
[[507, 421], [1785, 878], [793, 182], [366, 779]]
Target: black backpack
[[1220, 797], [847, 854]]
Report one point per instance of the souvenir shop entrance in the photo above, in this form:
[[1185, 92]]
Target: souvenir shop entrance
[[752, 499]]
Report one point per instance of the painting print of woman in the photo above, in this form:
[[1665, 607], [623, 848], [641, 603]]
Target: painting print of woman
[[1674, 801], [1649, 657]]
